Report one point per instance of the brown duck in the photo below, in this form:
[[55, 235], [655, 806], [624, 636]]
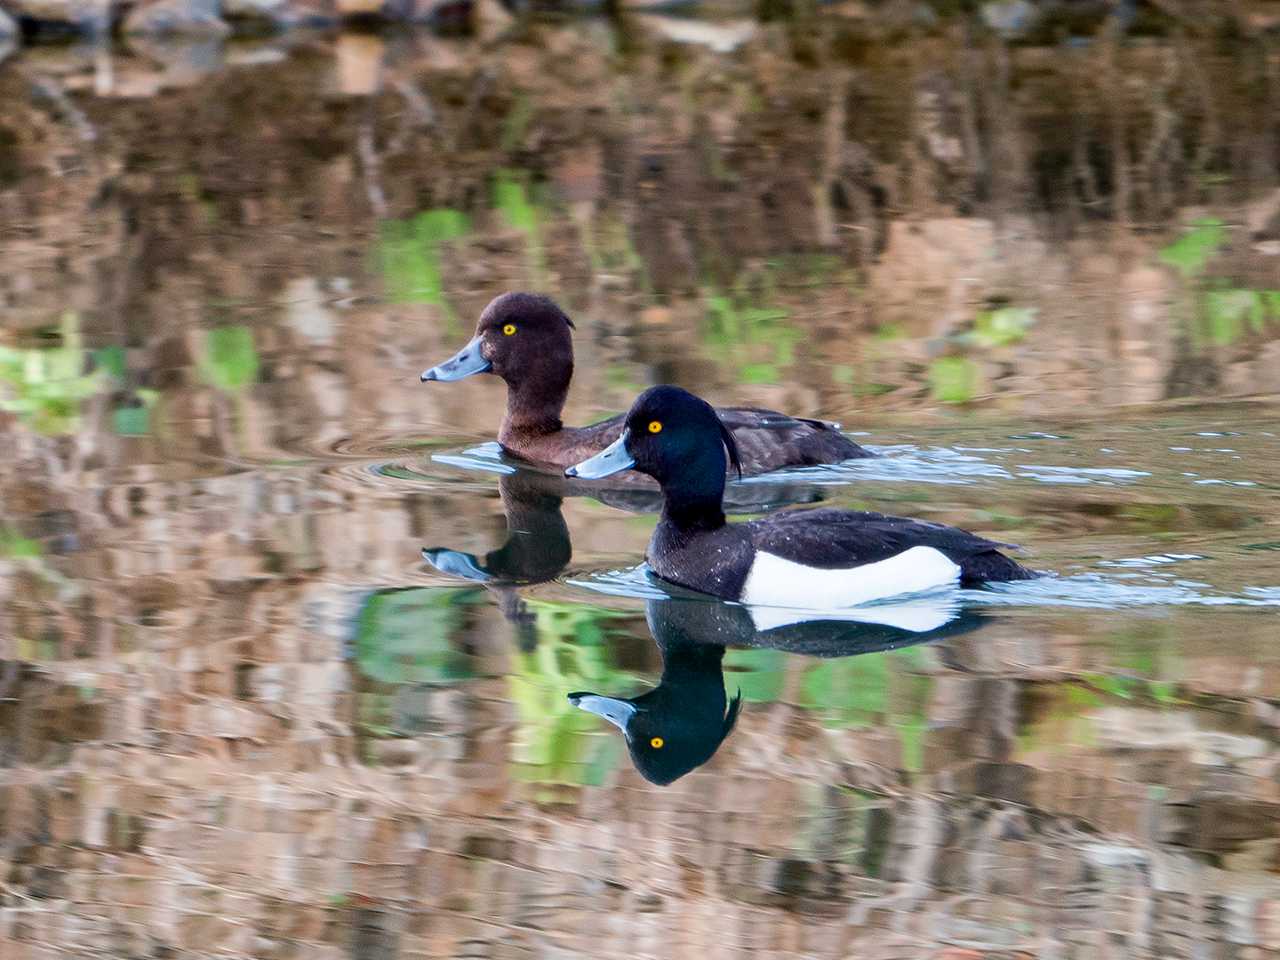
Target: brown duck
[[525, 339]]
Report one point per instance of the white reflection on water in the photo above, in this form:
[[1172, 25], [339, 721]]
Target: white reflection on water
[[485, 456], [899, 462], [1091, 590], [1105, 475]]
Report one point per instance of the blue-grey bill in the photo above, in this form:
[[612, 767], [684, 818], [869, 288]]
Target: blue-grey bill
[[612, 459], [467, 361], [617, 712], [456, 564]]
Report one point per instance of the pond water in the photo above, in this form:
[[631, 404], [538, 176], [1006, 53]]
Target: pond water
[[286, 644]]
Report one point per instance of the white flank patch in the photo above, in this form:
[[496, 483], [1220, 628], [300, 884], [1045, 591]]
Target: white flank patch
[[775, 582], [918, 615]]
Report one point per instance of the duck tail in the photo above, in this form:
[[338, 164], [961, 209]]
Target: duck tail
[[991, 566]]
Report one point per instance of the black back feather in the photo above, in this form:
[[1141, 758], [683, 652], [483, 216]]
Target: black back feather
[[731, 445]]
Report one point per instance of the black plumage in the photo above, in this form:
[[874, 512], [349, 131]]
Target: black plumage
[[681, 723], [694, 547]]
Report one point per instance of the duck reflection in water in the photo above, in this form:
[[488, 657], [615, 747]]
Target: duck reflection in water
[[538, 548], [681, 723]]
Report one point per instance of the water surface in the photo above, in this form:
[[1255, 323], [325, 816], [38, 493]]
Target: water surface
[[242, 713]]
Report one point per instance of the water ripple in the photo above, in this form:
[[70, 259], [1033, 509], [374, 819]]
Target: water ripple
[[1103, 475], [1098, 591], [897, 463], [486, 457], [1084, 590]]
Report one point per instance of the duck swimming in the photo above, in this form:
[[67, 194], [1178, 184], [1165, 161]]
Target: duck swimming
[[524, 338], [824, 557]]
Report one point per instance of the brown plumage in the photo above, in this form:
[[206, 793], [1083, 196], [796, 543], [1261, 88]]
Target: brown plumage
[[525, 339]]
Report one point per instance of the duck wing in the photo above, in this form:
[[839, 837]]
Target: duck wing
[[832, 539], [768, 439], [757, 418]]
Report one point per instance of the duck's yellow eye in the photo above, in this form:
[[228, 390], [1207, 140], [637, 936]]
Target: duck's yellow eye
[[509, 329], [657, 743], [655, 426]]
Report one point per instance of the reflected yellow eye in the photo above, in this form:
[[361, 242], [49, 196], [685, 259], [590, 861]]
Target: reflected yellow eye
[[657, 743], [655, 426], [509, 329]]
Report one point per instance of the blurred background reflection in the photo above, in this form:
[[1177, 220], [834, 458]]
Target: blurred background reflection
[[1028, 251]]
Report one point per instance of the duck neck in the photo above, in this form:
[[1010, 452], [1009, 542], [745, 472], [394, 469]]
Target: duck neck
[[694, 672], [693, 497], [690, 693], [534, 406], [538, 545]]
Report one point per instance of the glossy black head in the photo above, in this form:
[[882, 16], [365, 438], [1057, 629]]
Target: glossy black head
[[524, 338], [671, 432], [677, 439], [671, 729], [680, 723]]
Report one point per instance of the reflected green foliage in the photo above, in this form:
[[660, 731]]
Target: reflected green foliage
[[1065, 723], [512, 199], [558, 743], [408, 636], [47, 385], [230, 359], [1152, 517], [620, 377], [849, 693], [844, 375], [745, 325], [1192, 251], [846, 825], [17, 547], [409, 254], [111, 360], [1002, 326], [516, 123], [957, 378], [759, 673], [135, 420], [1162, 692], [1145, 668], [872, 690], [1231, 313], [953, 379], [132, 417], [131, 421], [1222, 314], [1145, 664], [610, 248], [1147, 649]]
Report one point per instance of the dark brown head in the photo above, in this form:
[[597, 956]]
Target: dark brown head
[[524, 339]]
